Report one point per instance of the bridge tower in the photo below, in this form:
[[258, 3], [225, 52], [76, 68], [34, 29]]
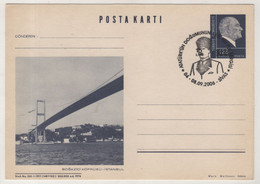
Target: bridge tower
[[40, 112]]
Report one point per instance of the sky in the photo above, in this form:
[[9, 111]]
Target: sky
[[61, 81]]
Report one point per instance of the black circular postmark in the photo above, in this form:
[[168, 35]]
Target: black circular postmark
[[194, 59]]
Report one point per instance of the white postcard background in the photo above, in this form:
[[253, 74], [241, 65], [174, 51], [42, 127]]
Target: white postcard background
[[155, 78]]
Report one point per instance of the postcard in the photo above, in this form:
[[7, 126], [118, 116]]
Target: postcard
[[149, 92]]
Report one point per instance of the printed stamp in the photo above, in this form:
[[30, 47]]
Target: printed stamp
[[228, 36]]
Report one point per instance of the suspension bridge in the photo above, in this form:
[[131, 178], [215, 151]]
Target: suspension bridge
[[105, 90]]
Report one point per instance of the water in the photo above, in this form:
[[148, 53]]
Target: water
[[93, 153]]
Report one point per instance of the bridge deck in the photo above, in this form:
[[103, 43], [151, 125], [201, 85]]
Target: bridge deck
[[103, 92]]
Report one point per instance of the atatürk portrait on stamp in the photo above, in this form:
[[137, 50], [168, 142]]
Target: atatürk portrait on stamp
[[228, 36], [230, 31]]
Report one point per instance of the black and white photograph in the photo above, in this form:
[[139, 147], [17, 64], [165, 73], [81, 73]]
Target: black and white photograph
[[69, 111]]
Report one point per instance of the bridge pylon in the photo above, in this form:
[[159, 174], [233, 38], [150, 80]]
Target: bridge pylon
[[40, 135]]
